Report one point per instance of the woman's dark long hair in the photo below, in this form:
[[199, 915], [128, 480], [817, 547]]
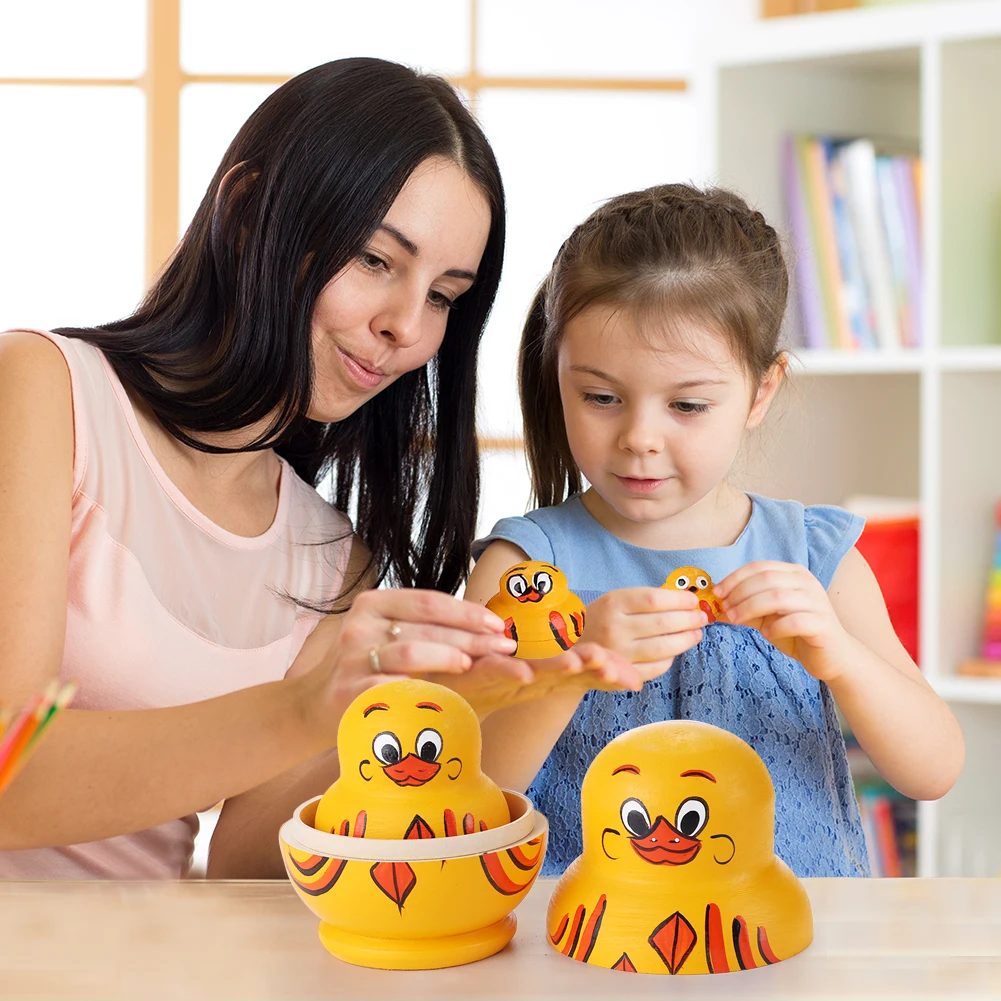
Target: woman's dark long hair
[[222, 339]]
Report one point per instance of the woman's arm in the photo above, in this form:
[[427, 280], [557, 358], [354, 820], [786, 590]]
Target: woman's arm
[[101, 774], [844, 637]]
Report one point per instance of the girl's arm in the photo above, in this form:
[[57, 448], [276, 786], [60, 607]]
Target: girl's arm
[[101, 774], [844, 637], [645, 626]]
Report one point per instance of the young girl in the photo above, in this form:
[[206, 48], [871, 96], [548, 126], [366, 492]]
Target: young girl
[[649, 350]]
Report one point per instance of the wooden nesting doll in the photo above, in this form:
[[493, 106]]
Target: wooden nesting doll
[[678, 872], [539, 610]]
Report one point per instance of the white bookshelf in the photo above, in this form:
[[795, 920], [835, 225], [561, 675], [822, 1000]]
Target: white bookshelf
[[923, 423]]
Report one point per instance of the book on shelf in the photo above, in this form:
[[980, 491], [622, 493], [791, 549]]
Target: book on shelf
[[854, 220]]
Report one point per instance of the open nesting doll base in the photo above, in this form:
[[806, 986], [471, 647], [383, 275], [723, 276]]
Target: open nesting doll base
[[417, 954]]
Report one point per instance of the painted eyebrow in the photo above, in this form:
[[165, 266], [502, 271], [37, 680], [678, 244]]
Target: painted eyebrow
[[687, 384], [429, 705], [512, 570], [372, 708], [698, 773], [626, 768], [414, 251]]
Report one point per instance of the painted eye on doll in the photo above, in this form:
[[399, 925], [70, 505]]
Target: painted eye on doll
[[428, 745], [543, 582], [692, 816], [386, 747], [701, 583], [635, 818], [682, 583], [517, 585]]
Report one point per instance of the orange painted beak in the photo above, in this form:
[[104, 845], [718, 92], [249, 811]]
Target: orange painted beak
[[530, 595], [412, 771], [666, 845]]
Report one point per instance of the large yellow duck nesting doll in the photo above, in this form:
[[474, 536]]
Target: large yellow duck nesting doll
[[409, 753], [701, 585], [678, 872], [539, 610]]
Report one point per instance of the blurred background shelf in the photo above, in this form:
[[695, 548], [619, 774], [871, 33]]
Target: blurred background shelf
[[919, 423]]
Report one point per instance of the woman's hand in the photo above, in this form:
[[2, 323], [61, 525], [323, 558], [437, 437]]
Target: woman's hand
[[495, 682], [791, 609], [648, 626], [387, 635]]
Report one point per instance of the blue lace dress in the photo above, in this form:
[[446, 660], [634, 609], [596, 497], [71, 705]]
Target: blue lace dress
[[734, 679]]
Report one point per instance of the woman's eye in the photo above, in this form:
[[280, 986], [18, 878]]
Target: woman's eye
[[440, 302], [688, 407], [372, 261]]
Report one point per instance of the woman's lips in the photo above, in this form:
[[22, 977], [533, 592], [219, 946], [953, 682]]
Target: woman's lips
[[365, 377], [639, 486]]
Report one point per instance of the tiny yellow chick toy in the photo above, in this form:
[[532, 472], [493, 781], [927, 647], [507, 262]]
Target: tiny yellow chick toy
[[678, 872], [701, 585], [540, 612], [409, 753]]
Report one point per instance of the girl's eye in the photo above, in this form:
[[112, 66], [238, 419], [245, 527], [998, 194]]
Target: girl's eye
[[599, 399], [688, 407], [441, 303]]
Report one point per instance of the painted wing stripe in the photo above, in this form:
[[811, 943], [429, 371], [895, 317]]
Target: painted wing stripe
[[764, 948], [590, 935]]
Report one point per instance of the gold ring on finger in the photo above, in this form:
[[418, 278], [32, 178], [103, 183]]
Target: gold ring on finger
[[394, 629], [373, 660]]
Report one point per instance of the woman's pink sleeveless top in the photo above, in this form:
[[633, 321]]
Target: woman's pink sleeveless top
[[165, 607]]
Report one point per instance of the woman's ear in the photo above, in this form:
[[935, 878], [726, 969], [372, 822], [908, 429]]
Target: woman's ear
[[231, 199], [767, 389]]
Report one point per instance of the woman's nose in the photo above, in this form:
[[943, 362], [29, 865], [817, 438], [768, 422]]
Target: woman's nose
[[400, 320]]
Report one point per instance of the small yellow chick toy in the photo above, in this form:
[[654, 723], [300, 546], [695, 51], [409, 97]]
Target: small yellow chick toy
[[540, 612], [678, 872], [409, 753], [701, 585]]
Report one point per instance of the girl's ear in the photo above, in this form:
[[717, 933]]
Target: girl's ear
[[766, 391]]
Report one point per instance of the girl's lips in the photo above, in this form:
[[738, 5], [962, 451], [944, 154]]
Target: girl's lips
[[639, 486], [363, 376]]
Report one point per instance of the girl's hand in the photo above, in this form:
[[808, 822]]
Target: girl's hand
[[497, 682], [649, 626], [791, 609]]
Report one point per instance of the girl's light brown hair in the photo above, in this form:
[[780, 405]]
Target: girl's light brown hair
[[672, 252]]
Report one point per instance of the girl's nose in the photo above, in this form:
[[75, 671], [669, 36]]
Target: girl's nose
[[642, 438]]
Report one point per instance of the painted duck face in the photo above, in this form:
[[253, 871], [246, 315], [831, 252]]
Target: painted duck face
[[676, 797], [533, 581], [409, 734]]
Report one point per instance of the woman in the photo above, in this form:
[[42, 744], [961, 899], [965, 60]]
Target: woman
[[163, 544]]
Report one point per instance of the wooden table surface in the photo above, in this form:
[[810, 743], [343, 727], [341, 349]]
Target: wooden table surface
[[874, 938]]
